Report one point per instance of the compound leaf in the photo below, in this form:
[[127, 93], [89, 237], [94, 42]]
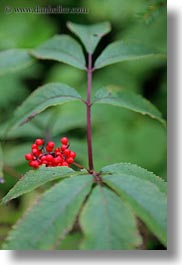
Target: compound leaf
[[52, 217], [107, 222]]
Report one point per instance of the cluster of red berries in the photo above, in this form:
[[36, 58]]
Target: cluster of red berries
[[50, 156]]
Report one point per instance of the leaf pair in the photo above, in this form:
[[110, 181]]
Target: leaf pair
[[56, 94], [65, 49], [114, 225]]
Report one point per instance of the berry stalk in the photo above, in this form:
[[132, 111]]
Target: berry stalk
[[88, 104]]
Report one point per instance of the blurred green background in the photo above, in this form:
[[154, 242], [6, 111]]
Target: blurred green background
[[118, 135]]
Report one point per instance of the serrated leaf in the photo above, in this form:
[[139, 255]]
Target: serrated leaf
[[62, 49], [35, 178], [13, 60], [45, 96], [144, 196], [139, 172], [124, 51], [52, 217], [90, 35], [117, 96], [107, 222]]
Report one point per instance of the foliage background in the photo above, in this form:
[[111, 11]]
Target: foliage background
[[118, 135]]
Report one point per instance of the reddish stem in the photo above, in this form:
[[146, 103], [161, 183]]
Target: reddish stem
[[88, 104]]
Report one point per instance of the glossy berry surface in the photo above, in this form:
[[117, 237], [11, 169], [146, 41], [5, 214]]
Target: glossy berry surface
[[48, 155], [64, 140]]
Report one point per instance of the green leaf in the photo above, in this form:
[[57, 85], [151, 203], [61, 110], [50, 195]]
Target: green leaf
[[35, 178], [139, 172], [52, 217], [71, 241], [146, 196], [13, 60], [117, 96], [124, 51], [1, 165], [90, 35], [107, 222], [62, 49], [48, 95]]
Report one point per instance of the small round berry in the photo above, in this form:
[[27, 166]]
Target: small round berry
[[50, 145], [34, 164], [57, 159], [64, 140], [67, 152], [48, 149], [73, 154], [63, 147], [35, 151], [43, 158], [49, 158], [44, 162], [39, 142], [34, 146], [65, 164], [69, 160], [29, 156]]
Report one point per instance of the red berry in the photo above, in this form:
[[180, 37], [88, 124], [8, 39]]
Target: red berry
[[48, 149], [52, 157], [35, 151], [39, 141], [43, 158], [44, 162], [63, 147], [50, 145], [64, 140], [73, 154], [69, 160], [49, 158], [58, 159], [67, 152], [28, 156], [34, 164], [34, 146], [65, 164]]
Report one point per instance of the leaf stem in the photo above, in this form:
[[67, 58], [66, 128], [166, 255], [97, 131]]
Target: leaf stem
[[88, 105]]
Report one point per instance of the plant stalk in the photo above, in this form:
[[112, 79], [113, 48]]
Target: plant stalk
[[88, 105]]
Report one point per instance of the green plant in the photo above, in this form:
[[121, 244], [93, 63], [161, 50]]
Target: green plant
[[105, 204]]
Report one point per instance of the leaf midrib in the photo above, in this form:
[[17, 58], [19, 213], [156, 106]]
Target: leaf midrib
[[122, 193], [63, 52], [125, 106], [107, 60], [47, 100], [52, 220], [108, 216]]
